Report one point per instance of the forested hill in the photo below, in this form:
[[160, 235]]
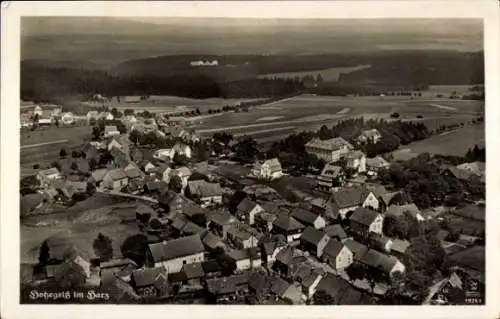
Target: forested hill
[[236, 75]]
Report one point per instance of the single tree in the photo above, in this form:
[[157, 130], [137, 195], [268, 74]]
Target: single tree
[[175, 184], [74, 166], [92, 164], [135, 247], [44, 254], [75, 154], [91, 189], [63, 153], [103, 247]]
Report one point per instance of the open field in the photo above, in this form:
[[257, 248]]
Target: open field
[[331, 74], [447, 90], [455, 142], [79, 225], [311, 112], [43, 145], [172, 104]]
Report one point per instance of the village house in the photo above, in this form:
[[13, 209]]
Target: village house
[[90, 152], [267, 170], [330, 150], [270, 247], [376, 164], [115, 179], [92, 115], [358, 249], [110, 131], [342, 293], [288, 226], [212, 241], [331, 177], [290, 292], [150, 282], [164, 154], [45, 118], [48, 176], [308, 218], [220, 221], [369, 136], [173, 254], [69, 188], [399, 248], [387, 263], [226, 289], [449, 291], [325, 208], [380, 242], [211, 268], [67, 118], [148, 167], [133, 173], [119, 158], [121, 268], [475, 168], [409, 210], [242, 237], [287, 260], [337, 255], [106, 116], [347, 199], [247, 210], [37, 110], [245, 259], [182, 149], [308, 277], [207, 194], [364, 221], [193, 274], [336, 232], [264, 221], [356, 161], [313, 241]]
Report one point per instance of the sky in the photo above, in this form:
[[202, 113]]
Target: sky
[[110, 40]]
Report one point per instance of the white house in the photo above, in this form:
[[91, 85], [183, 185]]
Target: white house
[[37, 110], [115, 179], [241, 237], [337, 255], [364, 221], [67, 118], [331, 176], [48, 176], [173, 254], [245, 259], [164, 154], [347, 199], [269, 169], [110, 131], [372, 136], [389, 264], [92, 115], [309, 218], [181, 149], [114, 144], [314, 241], [206, 193], [247, 210], [356, 160], [330, 150]]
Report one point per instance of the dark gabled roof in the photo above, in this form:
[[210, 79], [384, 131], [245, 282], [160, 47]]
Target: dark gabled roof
[[358, 249], [288, 223], [271, 244], [115, 263], [180, 247], [350, 196], [364, 216], [238, 254], [472, 258], [149, 276], [30, 202], [279, 286], [224, 285], [193, 271], [377, 259], [335, 230], [476, 212], [400, 210], [133, 172], [333, 286], [202, 188], [304, 216], [211, 266], [246, 206], [177, 277], [221, 217], [333, 248], [400, 246], [144, 209], [312, 236], [116, 174], [212, 241]]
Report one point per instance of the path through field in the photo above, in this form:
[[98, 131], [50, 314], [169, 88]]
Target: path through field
[[43, 144]]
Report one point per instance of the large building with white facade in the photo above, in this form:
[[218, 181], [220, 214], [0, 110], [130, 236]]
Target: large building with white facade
[[330, 150]]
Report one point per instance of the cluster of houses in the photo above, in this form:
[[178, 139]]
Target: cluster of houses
[[258, 249]]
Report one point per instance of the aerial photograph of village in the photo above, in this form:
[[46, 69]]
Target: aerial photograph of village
[[252, 161]]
